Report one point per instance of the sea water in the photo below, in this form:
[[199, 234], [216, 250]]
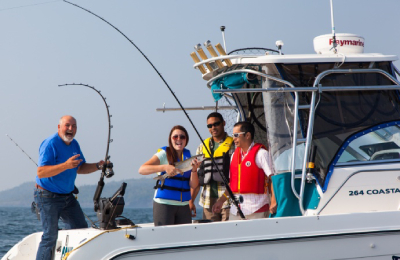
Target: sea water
[[16, 223]]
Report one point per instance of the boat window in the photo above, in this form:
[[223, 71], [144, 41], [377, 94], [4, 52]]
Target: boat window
[[284, 161], [348, 157], [381, 144]]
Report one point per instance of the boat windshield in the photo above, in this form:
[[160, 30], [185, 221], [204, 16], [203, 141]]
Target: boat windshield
[[338, 115], [379, 144]]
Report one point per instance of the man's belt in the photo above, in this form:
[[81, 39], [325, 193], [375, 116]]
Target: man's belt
[[60, 194], [39, 187]]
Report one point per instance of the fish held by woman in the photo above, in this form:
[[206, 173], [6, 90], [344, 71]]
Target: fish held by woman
[[184, 166]]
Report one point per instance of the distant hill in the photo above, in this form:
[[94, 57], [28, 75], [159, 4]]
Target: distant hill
[[139, 194]]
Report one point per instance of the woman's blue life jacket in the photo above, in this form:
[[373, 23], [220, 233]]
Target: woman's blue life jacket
[[177, 187]]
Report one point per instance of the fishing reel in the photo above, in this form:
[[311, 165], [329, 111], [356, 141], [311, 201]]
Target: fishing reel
[[109, 172], [239, 199]]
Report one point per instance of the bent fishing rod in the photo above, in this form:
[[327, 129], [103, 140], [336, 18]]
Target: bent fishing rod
[[107, 169], [232, 196]]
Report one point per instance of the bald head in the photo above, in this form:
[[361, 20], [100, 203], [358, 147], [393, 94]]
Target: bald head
[[67, 128], [66, 117]]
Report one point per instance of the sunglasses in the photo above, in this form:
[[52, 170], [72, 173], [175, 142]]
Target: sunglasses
[[236, 135], [182, 137], [215, 124]]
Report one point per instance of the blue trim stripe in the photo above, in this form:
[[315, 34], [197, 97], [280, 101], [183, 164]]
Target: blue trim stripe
[[347, 142]]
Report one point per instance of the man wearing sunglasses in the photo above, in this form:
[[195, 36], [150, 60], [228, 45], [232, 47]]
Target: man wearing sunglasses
[[250, 172], [221, 147]]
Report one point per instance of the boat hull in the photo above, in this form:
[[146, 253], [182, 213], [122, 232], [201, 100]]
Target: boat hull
[[373, 235]]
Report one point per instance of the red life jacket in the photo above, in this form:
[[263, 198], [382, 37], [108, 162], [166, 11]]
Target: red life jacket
[[246, 177]]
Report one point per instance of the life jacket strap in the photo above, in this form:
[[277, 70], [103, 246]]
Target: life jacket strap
[[179, 178], [158, 185], [208, 164], [209, 170]]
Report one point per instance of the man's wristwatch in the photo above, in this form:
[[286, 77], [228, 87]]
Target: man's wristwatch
[[98, 166]]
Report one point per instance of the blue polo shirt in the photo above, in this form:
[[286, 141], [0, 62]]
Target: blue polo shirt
[[54, 151]]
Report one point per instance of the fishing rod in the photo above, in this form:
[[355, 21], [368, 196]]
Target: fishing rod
[[232, 196], [34, 207], [21, 149], [107, 169], [107, 209]]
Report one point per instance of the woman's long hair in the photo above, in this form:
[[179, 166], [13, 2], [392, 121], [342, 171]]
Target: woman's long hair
[[172, 155]]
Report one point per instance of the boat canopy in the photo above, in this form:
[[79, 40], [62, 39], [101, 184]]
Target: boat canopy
[[339, 115]]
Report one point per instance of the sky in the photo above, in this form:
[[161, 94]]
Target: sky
[[46, 43]]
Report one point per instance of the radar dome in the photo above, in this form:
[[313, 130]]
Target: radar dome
[[345, 43]]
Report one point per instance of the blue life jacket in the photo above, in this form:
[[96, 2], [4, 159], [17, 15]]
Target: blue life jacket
[[177, 187]]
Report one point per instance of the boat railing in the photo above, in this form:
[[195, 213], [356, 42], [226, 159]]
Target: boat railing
[[396, 70], [254, 51], [224, 57], [222, 60], [293, 89], [316, 88]]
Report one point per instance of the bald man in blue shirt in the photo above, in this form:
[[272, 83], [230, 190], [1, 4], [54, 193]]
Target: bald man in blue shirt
[[60, 160]]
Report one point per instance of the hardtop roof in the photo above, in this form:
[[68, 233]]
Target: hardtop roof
[[312, 58]]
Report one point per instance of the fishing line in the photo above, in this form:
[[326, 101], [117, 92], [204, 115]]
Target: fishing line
[[234, 199], [21, 149], [22, 6]]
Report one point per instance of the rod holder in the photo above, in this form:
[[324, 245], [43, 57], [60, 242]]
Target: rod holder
[[211, 50], [223, 53], [197, 60], [203, 56]]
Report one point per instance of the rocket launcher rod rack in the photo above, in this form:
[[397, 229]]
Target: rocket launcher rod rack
[[212, 65]]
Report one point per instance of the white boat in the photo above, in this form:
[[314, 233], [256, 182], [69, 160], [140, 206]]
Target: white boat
[[339, 100]]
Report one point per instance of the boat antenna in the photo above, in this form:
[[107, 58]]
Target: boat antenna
[[21, 149], [334, 44], [233, 198], [223, 36], [107, 169]]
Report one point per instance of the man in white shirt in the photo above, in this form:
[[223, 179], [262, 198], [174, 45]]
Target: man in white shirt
[[250, 172]]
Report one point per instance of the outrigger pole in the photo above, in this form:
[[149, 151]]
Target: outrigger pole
[[232, 196]]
